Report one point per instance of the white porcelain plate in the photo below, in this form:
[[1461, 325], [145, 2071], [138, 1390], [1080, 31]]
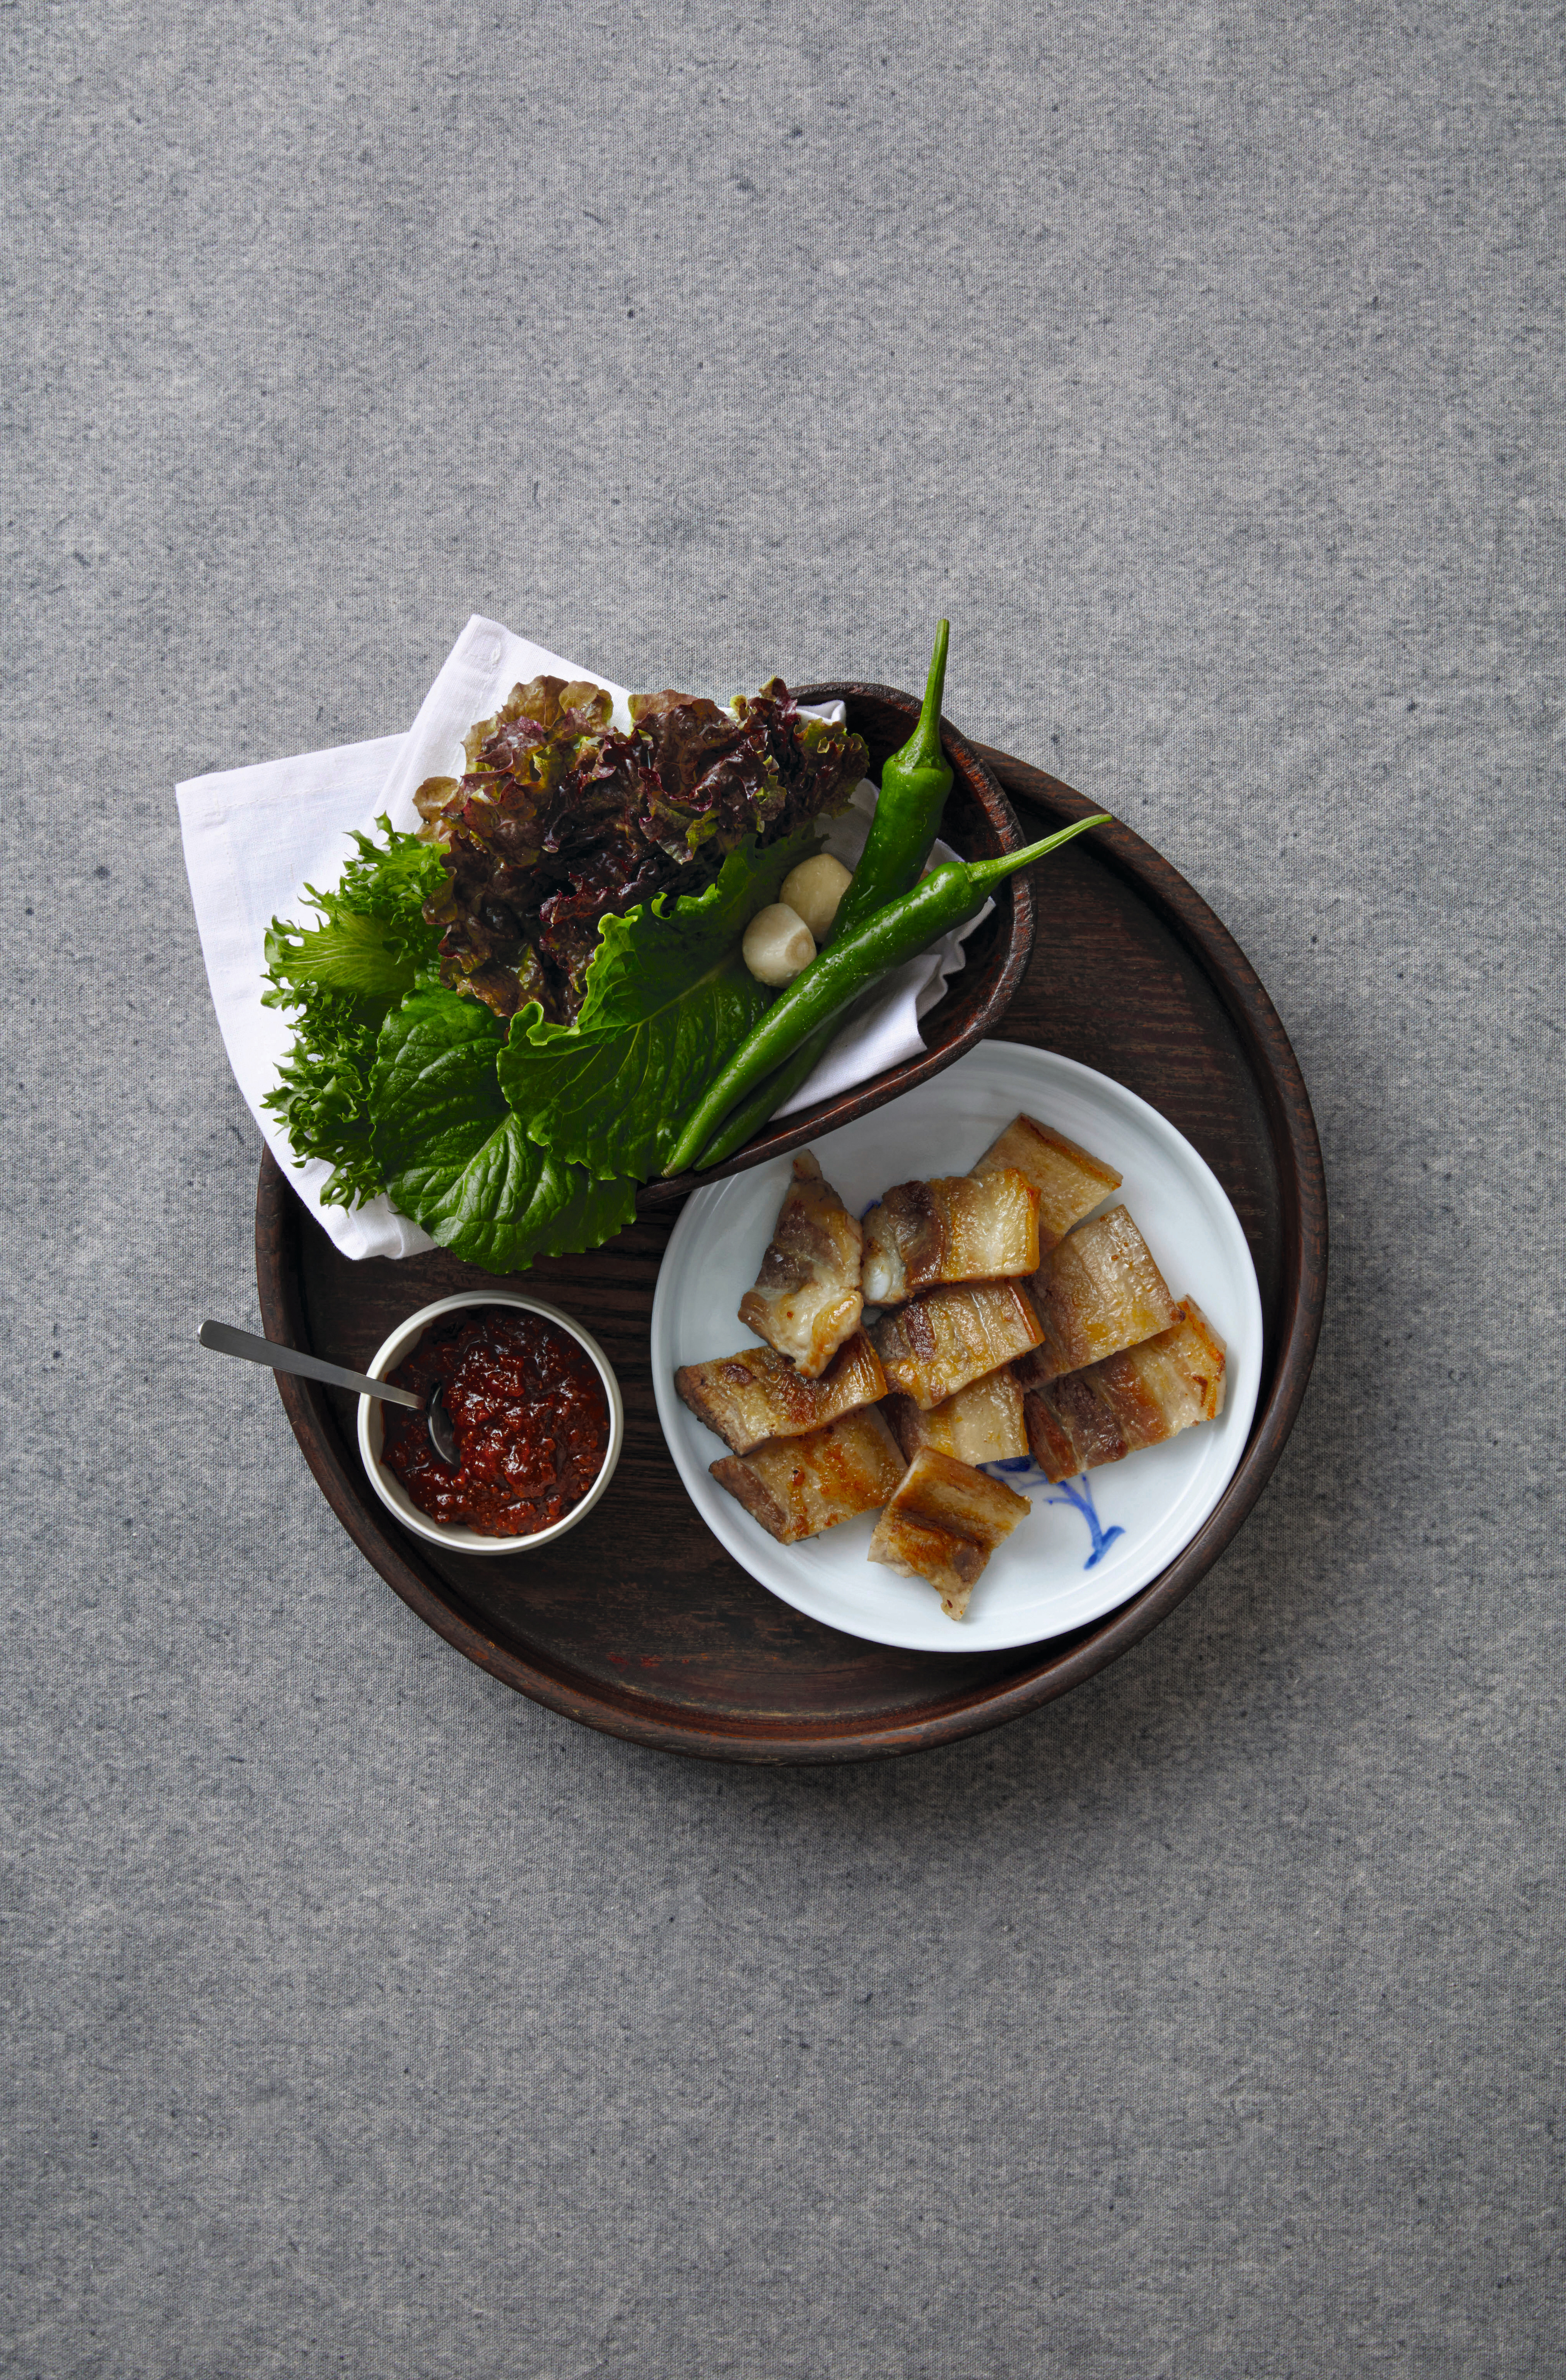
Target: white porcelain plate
[[1077, 1555]]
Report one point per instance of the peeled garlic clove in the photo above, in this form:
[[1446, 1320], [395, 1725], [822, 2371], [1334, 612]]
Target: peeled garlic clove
[[778, 944], [814, 891]]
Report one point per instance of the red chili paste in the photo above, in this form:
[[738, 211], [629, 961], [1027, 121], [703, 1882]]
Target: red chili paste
[[529, 1413]]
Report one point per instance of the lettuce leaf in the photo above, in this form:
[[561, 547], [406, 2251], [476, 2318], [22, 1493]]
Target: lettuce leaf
[[361, 956], [454, 1156], [372, 939], [322, 1092], [340, 978], [667, 999], [562, 819]]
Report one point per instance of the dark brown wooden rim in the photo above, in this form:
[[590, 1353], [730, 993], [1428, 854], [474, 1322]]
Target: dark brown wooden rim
[[1303, 1191]]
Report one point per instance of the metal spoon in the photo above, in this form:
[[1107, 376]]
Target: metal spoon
[[229, 1341]]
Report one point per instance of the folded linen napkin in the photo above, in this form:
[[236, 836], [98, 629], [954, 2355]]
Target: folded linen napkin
[[255, 837]]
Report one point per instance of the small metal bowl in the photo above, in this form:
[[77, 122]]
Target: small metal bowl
[[371, 1427]]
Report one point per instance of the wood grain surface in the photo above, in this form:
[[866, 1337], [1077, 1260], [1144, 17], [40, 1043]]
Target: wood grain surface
[[638, 1622]]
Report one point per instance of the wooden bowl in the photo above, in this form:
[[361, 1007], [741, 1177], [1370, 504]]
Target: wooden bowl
[[638, 1623], [980, 823]]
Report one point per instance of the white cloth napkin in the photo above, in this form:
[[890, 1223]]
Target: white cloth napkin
[[255, 837]]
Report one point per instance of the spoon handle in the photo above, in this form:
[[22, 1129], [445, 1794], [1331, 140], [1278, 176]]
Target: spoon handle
[[229, 1341]]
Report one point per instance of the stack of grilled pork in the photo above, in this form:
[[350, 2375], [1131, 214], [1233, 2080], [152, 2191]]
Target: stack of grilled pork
[[1008, 1327]]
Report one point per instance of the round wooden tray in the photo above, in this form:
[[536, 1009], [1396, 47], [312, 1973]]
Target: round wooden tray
[[638, 1622]]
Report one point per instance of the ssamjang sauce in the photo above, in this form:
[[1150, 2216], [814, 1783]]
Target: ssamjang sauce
[[529, 1412]]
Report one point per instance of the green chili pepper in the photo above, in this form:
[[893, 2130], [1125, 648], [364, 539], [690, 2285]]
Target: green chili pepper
[[948, 896], [768, 1096], [914, 783]]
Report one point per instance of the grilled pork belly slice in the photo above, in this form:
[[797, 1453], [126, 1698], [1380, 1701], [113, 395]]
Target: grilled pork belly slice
[[983, 1422], [1097, 1291], [937, 1344], [1137, 1397], [954, 1228], [797, 1487], [943, 1524], [1069, 1181], [1069, 1430], [758, 1393], [807, 1299]]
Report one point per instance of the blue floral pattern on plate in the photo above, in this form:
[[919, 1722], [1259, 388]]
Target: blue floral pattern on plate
[[1020, 1471]]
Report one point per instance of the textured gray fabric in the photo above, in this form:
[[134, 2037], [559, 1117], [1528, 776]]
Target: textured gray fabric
[[1205, 365]]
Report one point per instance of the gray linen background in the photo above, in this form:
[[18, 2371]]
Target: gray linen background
[[1204, 364]]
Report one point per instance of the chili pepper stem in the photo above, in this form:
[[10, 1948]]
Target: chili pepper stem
[[923, 748], [993, 871]]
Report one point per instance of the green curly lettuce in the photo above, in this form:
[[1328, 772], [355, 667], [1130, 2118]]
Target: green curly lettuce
[[372, 938], [340, 978]]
